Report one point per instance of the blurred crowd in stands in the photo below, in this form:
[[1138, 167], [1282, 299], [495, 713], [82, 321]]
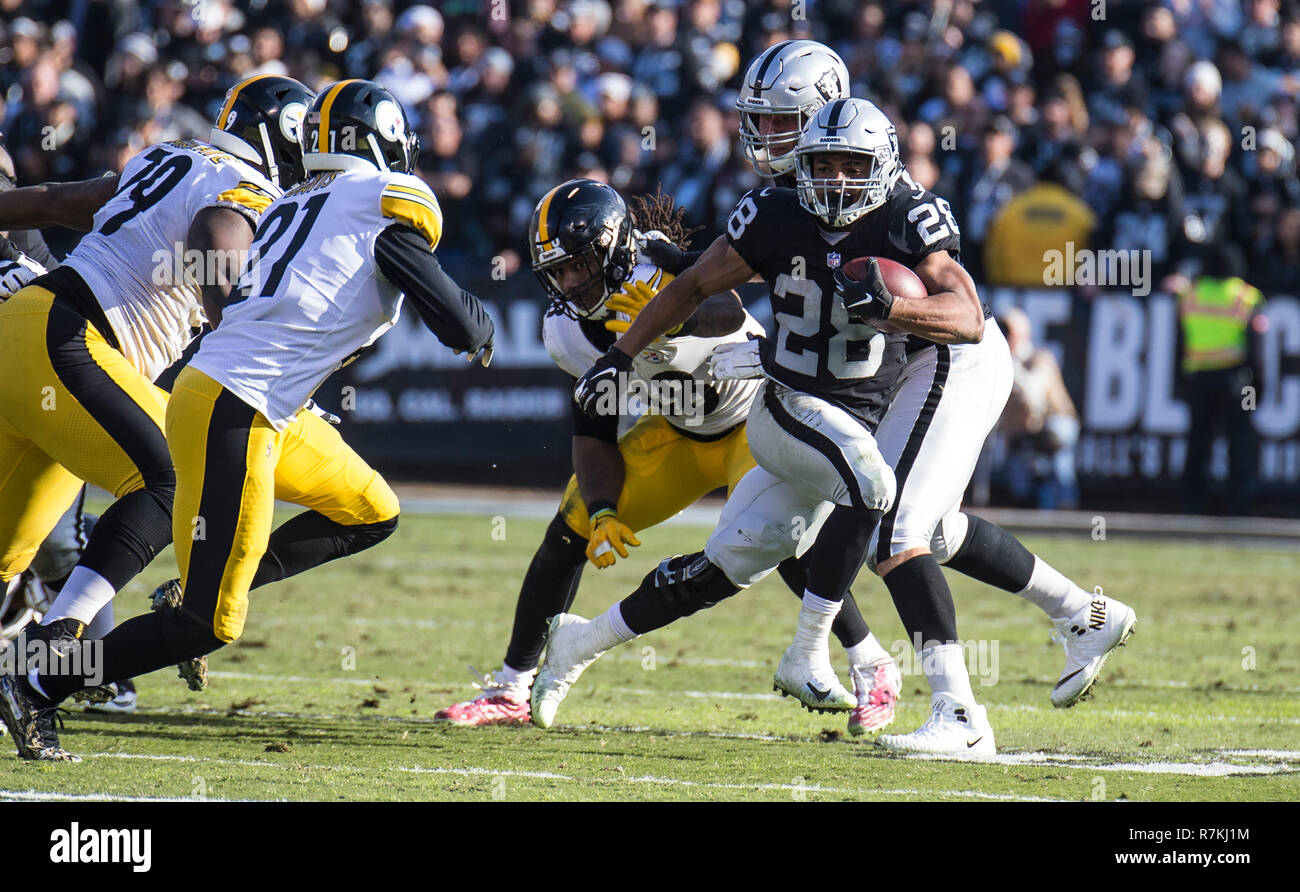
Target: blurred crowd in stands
[[1166, 126], [1163, 125]]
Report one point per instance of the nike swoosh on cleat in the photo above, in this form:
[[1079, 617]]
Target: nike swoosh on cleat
[[975, 741], [817, 692], [1068, 677]]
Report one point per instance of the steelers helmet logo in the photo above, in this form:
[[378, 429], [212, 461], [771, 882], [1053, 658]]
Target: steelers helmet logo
[[291, 118], [388, 120]]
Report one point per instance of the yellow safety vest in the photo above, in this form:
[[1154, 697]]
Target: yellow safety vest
[[1215, 314]]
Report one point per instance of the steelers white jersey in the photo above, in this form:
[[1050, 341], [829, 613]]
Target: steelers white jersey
[[133, 260], [726, 403], [313, 297]]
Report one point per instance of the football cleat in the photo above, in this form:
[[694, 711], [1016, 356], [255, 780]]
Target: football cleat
[[497, 704], [953, 729], [876, 686], [122, 703], [1090, 636], [193, 672], [808, 677], [567, 657], [31, 722]]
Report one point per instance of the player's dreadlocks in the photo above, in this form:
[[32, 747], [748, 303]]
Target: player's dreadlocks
[[657, 213]]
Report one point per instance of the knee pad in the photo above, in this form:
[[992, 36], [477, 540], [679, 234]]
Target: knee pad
[[949, 536], [690, 582]]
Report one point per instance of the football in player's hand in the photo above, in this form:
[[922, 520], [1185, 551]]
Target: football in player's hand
[[900, 280]]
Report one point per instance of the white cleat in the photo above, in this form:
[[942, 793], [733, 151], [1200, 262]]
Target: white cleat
[[953, 729], [807, 676], [877, 686], [1090, 636], [567, 656]]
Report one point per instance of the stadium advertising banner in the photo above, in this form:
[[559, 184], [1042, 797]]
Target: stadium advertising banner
[[415, 409]]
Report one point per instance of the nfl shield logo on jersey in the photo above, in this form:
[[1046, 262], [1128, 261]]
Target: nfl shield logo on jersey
[[833, 259]]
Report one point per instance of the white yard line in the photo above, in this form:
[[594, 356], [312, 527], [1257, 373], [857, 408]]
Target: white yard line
[[1276, 761], [473, 771]]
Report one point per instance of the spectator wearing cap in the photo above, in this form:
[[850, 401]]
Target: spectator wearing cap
[[1117, 85], [989, 184]]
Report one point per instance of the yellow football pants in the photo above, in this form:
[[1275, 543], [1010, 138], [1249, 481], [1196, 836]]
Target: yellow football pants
[[231, 466], [72, 408], [664, 472]]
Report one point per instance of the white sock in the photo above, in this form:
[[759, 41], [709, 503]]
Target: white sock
[[867, 651], [944, 666], [816, 615], [608, 630], [1052, 593], [84, 595], [516, 678]]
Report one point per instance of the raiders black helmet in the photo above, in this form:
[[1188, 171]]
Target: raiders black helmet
[[578, 218], [358, 119], [261, 121]]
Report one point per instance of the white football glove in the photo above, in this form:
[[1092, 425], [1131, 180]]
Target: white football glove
[[737, 360], [14, 274]]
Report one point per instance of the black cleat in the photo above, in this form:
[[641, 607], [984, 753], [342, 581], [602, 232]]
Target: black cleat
[[193, 672], [31, 721]]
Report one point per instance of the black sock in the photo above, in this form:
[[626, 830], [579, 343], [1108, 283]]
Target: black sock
[[841, 547], [549, 587], [680, 586], [130, 534], [924, 601], [993, 556], [144, 643], [311, 539], [849, 626]]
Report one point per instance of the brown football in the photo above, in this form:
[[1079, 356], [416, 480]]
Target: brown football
[[899, 279]]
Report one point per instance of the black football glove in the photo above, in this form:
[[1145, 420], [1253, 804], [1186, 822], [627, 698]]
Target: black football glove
[[597, 380], [869, 297]]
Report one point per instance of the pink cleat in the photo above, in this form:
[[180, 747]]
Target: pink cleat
[[498, 704], [877, 685]]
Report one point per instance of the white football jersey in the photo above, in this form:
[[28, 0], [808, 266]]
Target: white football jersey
[[726, 403], [133, 259], [313, 296]]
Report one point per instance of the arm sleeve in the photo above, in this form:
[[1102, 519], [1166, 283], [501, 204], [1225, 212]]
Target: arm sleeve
[[602, 427], [449, 311]]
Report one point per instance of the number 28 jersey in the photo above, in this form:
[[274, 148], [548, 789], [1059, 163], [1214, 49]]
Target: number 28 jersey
[[312, 297], [133, 260], [815, 348]]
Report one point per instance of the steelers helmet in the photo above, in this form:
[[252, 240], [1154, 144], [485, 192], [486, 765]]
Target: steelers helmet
[[790, 78], [261, 122], [578, 218], [358, 121]]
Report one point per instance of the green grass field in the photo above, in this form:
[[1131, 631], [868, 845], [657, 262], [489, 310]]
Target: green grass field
[[331, 693]]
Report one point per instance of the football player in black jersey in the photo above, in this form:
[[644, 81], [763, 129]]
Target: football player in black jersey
[[944, 406], [584, 250], [829, 377]]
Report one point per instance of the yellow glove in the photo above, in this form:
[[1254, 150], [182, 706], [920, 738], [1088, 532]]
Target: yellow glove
[[630, 302], [608, 534]]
